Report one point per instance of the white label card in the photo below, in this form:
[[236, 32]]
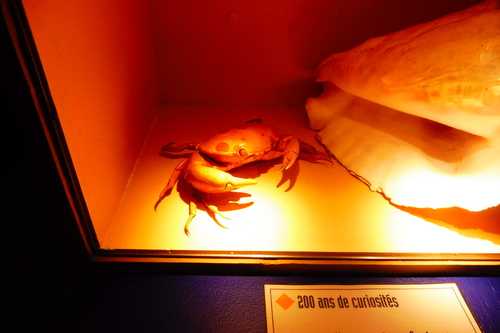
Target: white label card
[[387, 308]]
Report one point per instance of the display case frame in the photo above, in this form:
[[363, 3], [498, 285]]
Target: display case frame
[[42, 114]]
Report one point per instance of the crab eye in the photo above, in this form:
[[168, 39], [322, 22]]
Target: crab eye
[[241, 151]]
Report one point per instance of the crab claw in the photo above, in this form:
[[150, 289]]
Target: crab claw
[[211, 180]]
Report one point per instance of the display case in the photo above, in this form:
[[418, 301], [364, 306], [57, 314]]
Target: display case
[[114, 81]]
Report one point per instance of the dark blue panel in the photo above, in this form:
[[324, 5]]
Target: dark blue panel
[[151, 303]]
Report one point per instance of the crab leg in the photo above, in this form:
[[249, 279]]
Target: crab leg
[[192, 214], [291, 152], [171, 182], [193, 209], [213, 208], [311, 154], [169, 147]]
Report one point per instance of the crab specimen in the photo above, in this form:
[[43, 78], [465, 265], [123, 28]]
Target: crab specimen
[[206, 168]]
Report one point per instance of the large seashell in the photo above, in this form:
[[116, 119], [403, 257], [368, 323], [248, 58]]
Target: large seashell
[[416, 113]]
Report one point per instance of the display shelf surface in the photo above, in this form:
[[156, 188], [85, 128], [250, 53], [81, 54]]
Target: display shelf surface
[[317, 208]]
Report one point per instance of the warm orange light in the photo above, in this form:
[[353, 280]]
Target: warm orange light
[[424, 188], [104, 62], [326, 210]]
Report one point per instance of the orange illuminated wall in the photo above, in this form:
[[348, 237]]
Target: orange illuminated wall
[[100, 61]]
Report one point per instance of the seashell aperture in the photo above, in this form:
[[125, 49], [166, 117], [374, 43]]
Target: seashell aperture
[[416, 114]]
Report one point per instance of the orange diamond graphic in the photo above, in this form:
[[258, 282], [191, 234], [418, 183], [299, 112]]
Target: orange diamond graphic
[[284, 301]]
